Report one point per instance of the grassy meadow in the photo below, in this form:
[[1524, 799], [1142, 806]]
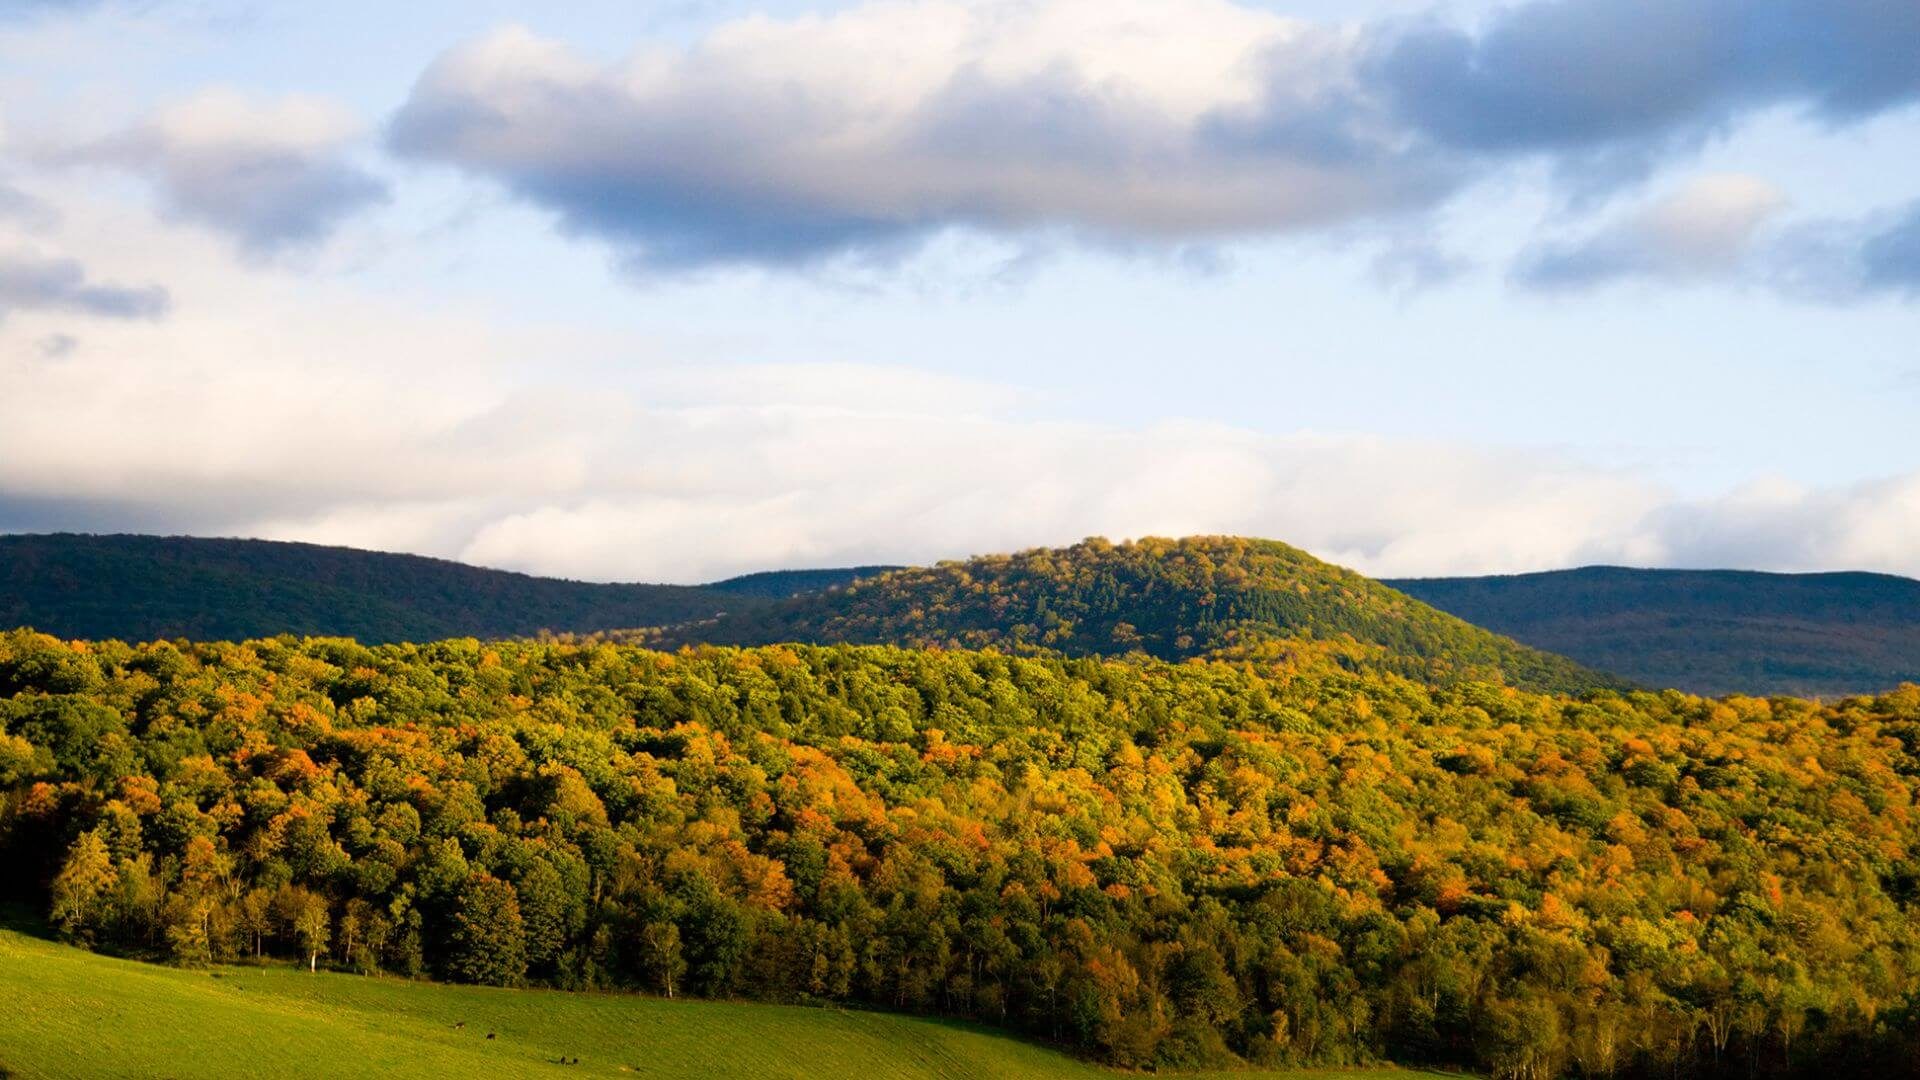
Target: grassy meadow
[[69, 1013]]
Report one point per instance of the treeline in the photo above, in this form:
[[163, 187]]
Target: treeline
[[1274, 860], [1170, 599]]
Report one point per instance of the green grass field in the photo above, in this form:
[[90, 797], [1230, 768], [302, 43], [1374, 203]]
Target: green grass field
[[69, 1013]]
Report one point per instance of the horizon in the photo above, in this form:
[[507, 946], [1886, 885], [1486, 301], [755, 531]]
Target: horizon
[[891, 566], [1430, 289]]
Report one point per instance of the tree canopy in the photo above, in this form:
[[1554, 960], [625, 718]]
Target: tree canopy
[[1274, 858]]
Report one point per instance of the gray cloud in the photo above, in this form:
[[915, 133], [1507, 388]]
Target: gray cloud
[[31, 282], [273, 177], [788, 142], [24, 209], [710, 157], [1568, 75], [1890, 257]]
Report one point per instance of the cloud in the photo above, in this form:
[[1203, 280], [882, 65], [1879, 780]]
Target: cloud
[[31, 282], [1783, 526], [1124, 121], [863, 133], [273, 176], [21, 208], [690, 473], [1729, 229], [1705, 229], [1581, 75], [1890, 255]]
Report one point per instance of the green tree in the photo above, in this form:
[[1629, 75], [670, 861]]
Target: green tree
[[660, 951], [488, 943], [546, 912]]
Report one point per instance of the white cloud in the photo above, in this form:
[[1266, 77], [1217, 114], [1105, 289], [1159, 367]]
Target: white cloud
[[1705, 228], [280, 405], [867, 130], [1727, 228], [690, 473], [1141, 122]]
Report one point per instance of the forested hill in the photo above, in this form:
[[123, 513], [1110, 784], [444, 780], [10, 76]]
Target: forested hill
[[147, 587], [1706, 631], [1176, 866], [780, 584], [1171, 599]]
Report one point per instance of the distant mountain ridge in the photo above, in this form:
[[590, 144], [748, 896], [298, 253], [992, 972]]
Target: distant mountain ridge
[[780, 584], [145, 587], [1167, 598], [1711, 632], [1171, 599], [1705, 631]]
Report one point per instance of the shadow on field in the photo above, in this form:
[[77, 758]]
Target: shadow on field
[[22, 919]]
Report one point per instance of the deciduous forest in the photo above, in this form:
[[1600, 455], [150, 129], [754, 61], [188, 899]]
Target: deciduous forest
[[1274, 858]]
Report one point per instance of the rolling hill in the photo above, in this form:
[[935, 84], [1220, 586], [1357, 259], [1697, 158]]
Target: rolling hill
[[145, 587], [1712, 632], [1170, 599], [1705, 631]]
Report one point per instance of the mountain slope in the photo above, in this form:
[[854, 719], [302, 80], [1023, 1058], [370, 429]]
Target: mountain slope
[[143, 587], [1705, 631], [1168, 598]]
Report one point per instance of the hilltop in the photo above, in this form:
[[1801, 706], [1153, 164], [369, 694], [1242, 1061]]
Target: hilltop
[[1705, 631], [1170, 599]]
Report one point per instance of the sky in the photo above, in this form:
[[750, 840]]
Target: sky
[[671, 291]]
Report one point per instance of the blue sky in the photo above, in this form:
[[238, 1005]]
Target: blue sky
[[678, 290]]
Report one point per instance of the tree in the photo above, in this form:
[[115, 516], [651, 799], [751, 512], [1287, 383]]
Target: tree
[[547, 913], [188, 941], [256, 917], [488, 944], [660, 950], [1519, 1038], [82, 893], [310, 926]]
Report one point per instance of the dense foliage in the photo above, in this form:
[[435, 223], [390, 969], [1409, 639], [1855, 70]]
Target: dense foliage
[[1706, 631], [1274, 859], [146, 587], [1167, 598]]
